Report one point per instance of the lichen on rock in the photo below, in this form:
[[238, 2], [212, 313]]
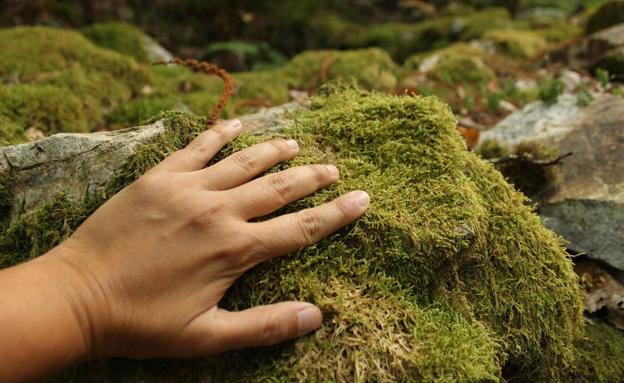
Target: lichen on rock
[[449, 276]]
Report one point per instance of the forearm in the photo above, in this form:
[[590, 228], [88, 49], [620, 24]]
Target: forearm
[[43, 326]]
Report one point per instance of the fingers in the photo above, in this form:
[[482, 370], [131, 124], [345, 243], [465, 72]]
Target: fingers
[[273, 191], [258, 326], [196, 155], [290, 232], [243, 166], [268, 325]]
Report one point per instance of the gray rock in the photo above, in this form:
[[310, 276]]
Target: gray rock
[[69, 163], [155, 51], [599, 43], [587, 208], [75, 164], [536, 121]]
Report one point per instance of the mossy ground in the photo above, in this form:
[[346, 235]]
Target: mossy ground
[[448, 277]]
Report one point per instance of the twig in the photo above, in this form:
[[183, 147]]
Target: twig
[[525, 158], [208, 68]]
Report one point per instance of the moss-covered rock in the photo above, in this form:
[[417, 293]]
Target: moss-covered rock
[[402, 39], [460, 63], [119, 37], [448, 277], [57, 81], [370, 68], [516, 43]]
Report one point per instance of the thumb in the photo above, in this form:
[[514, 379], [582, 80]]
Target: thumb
[[261, 325]]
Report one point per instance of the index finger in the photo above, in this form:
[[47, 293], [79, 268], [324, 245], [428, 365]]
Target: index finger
[[291, 232], [206, 145]]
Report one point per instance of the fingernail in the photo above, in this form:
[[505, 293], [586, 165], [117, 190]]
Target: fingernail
[[309, 320], [234, 125], [332, 170], [361, 199], [293, 144]]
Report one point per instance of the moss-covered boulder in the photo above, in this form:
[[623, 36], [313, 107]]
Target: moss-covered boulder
[[460, 63], [516, 43], [448, 277], [127, 40], [401, 39], [57, 81]]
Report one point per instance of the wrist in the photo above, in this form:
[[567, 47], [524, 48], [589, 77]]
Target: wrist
[[73, 272]]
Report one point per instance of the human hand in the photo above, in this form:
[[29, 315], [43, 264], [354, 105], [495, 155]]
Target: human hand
[[156, 259]]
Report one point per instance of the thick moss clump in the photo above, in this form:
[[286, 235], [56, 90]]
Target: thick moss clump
[[119, 37], [448, 277], [517, 43], [57, 81], [599, 355], [460, 63]]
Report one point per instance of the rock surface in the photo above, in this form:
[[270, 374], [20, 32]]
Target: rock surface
[[587, 208], [84, 162], [155, 51]]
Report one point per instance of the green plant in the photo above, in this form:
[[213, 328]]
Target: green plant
[[493, 100], [602, 75], [550, 90]]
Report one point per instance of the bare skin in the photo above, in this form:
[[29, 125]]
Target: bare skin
[[143, 276]]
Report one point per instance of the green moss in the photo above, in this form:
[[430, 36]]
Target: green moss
[[517, 43], [47, 108], [448, 277], [599, 355], [459, 63], [370, 68], [550, 90], [10, 132], [401, 39], [489, 149], [559, 32], [119, 37], [57, 81]]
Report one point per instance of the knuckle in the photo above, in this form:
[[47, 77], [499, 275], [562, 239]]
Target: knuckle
[[218, 134], [207, 215], [279, 145], [245, 161], [310, 225], [343, 208], [282, 183], [320, 172], [149, 182], [199, 144], [248, 249]]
